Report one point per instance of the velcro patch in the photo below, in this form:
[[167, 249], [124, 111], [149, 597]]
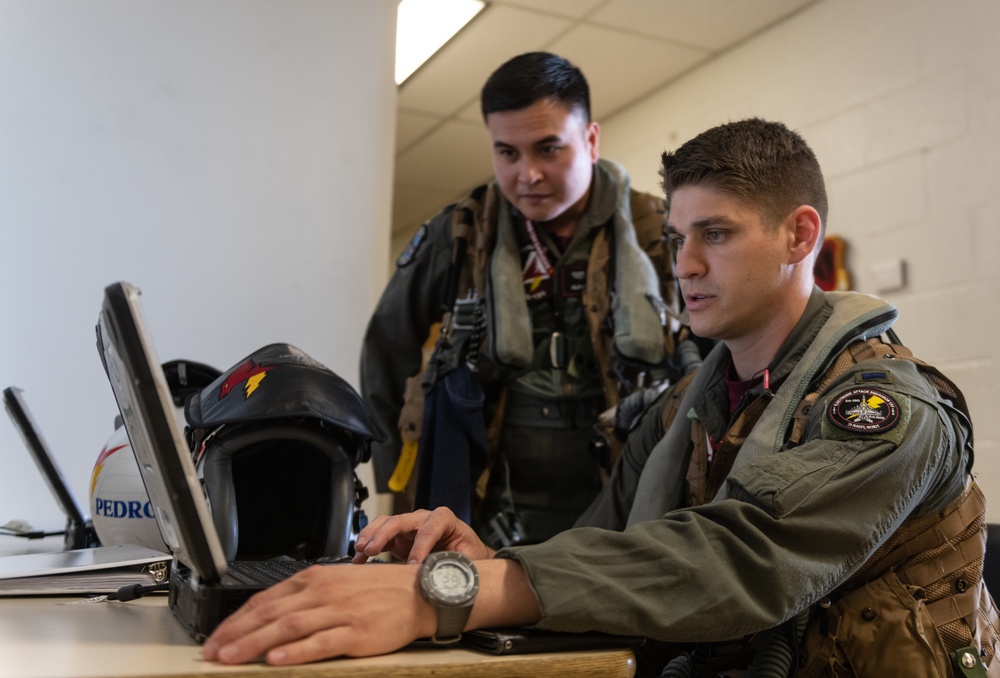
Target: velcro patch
[[864, 410], [411, 249]]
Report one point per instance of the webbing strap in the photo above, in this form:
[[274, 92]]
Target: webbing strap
[[862, 351], [954, 607], [969, 550], [732, 441], [673, 403], [697, 471], [472, 222]]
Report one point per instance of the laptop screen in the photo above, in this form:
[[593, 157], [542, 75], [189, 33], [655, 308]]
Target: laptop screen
[[145, 403], [13, 401]]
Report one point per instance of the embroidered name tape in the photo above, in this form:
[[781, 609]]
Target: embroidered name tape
[[864, 410]]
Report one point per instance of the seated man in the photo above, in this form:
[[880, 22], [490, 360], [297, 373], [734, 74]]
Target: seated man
[[802, 498]]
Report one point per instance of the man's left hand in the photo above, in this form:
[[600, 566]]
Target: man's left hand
[[326, 611]]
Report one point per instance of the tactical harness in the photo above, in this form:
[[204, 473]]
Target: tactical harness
[[473, 231], [920, 601]]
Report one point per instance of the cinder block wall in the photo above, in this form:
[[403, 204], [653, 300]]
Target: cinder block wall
[[900, 100]]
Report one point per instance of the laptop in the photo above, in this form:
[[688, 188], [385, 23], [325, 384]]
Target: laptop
[[203, 589], [79, 532]]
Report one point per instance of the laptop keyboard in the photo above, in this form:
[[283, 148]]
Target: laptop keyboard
[[264, 572]]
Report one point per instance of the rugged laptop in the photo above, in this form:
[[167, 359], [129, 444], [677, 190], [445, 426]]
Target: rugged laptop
[[204, 588]]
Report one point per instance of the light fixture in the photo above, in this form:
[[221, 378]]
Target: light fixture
[[424, 26]]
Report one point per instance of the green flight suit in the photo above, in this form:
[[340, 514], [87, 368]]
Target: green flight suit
[[788, 526]]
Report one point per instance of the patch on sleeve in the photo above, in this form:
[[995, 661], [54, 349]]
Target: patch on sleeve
[[864, 410], [411, 248]]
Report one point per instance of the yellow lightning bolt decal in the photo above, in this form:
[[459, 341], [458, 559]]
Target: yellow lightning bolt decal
[[872, 403], [252, 383]]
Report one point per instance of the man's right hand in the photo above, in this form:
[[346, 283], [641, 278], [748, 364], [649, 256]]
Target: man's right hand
[[410, 537]]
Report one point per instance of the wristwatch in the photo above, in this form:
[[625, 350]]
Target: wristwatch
[[449, 582]]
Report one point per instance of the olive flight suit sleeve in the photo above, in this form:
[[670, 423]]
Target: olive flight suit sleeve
[[392, 349], [795, 525]]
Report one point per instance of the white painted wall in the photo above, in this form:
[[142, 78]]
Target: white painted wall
[[900, 101], [232, 158]]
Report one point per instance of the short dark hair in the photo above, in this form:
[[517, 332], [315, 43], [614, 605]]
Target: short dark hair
[[763, 163], [531, 77]]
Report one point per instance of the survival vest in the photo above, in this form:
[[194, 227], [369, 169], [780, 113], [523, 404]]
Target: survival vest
[[473, 232]]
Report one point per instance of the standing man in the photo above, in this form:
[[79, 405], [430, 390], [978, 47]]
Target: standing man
[[802, 505], [574, 279]]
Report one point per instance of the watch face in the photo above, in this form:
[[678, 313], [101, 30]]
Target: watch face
[[452, 582]]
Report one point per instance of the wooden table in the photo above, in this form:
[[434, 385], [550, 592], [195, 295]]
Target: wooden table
[[61, 637]]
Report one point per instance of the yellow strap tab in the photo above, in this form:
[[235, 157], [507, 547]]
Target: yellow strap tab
[[404, 467]]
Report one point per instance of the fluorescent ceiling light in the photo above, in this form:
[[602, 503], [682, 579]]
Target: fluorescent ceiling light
[[423, 26]]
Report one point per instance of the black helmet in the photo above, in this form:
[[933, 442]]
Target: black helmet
[[276, 439]]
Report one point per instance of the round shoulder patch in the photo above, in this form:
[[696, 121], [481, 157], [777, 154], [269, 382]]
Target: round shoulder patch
[[864, 410], [412, 247]]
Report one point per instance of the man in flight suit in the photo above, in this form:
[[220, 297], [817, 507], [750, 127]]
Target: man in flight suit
[[572, 268], [802, 505]]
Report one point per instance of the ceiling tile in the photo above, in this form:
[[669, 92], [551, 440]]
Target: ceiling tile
[[471, 113], [708, 24], [574, 9], [647, 63], [452, 157], [411, 126], [413, 205]]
